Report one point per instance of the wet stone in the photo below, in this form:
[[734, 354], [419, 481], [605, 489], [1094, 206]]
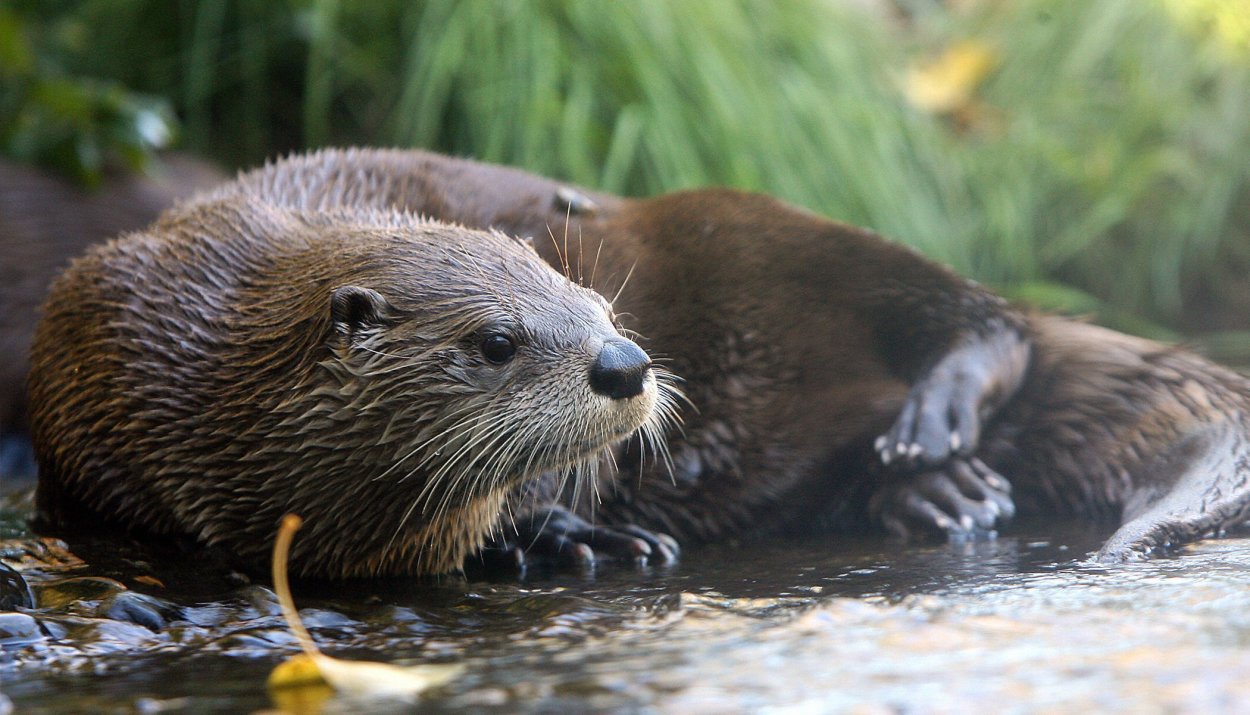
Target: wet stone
[[317, 618], [141, 609], [106, 635], [257, 643], [64, 592], [19, 629], [41, 553], [14, 591], [262, 600], [208, 616]]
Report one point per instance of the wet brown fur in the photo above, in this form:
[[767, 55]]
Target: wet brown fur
[[194, 379], [798, 339]]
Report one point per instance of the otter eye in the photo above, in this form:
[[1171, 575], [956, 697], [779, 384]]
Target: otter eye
[[497, 348]]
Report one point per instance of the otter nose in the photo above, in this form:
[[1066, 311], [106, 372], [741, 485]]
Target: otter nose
[[620, 369]]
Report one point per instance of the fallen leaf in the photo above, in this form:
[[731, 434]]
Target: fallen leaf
[[304, 682]]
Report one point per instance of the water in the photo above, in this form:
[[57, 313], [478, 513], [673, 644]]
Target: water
[[1021, 624]]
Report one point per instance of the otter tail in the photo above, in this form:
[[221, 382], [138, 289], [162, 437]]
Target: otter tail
[[1211, 494], [1111, 426]]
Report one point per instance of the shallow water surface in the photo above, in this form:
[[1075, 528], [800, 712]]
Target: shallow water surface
[[1020, 624]]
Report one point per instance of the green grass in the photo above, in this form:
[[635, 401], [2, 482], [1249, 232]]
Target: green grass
[[1104, 156]]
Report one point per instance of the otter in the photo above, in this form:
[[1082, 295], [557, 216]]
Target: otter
[[838, 380], [46, 220], [389, 378]]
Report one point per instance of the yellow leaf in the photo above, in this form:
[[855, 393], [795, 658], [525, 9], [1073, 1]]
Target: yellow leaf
[[1227, 22], [362, 678], [296, 686], [304, 682], [948, 83], [296, 672]]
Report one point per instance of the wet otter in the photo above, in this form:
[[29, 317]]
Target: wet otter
[[389, 378], [44, 221], [840, 380]]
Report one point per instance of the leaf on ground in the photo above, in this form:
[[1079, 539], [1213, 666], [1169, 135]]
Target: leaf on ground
[[304, 681]]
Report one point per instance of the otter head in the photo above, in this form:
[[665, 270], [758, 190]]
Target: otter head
[[479, 366]]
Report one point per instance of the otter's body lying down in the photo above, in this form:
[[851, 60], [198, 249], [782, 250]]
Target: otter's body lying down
[[837, 380], [388, 378]]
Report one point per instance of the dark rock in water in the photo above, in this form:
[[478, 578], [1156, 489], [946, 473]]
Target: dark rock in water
[[14, 591], [139, 608], [262, 600]]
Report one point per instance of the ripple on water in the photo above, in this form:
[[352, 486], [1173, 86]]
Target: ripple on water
[[1022, 624]]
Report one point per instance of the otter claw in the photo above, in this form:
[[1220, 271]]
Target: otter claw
[[992, 480], [964, 500], [496, 560], [574, 202], [662, 547], [556, 535], [942, 414], [582, 556]]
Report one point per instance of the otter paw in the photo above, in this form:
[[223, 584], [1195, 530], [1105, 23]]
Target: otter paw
[[938, 421], [557, 536], [964, 500], [942, 416]]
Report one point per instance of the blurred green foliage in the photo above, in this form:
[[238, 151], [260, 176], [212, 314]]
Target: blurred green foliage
[[1095, 155], [77, 125]]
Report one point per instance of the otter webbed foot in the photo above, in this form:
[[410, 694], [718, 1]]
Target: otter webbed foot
[[942, 416], [555, 535], [963, 500]]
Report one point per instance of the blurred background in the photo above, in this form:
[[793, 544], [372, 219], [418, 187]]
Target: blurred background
[[1090, 157]]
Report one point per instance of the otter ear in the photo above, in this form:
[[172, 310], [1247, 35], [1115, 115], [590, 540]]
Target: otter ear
[[353, 308], [573, 202]]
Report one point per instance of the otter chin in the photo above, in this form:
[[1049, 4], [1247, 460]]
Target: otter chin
[[389, 379]]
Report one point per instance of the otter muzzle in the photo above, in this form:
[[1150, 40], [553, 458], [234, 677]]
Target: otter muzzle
[[620, 370]]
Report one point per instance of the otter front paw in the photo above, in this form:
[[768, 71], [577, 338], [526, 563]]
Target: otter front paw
[[942, 416], [963, 500], [938, 421], [555, 535]]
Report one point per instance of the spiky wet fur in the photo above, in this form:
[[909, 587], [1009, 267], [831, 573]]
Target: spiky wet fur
[[192, 379], [799, 338]]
